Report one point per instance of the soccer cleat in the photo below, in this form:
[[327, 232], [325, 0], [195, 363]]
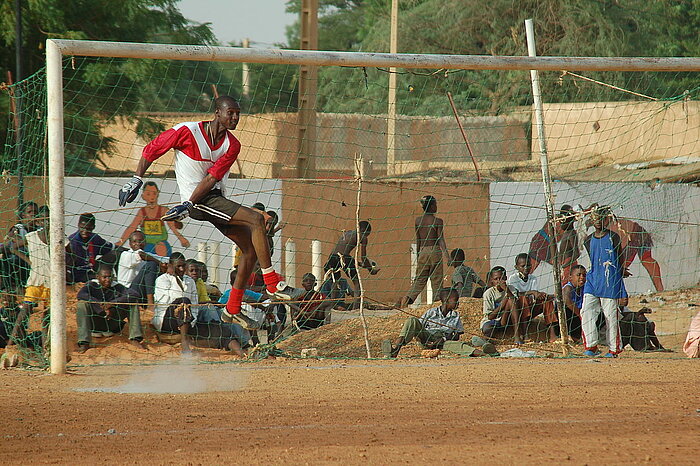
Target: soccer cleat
[[591, 353], [240, 319], [610, 355]]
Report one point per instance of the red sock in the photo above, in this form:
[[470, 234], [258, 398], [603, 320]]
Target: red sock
[[271, 280], [233, 305]]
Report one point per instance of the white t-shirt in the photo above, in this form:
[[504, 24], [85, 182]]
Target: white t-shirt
[[518, 286], [40, 273], [130, 264], [167, 290]]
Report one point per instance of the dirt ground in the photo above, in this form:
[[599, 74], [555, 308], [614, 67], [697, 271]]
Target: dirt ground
[[477, 410]]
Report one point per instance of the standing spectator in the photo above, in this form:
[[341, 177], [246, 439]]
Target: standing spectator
[[340, 258], [13, 271], [103, 305], [540, 245], [86, 247], [604, 285], [430, 242]]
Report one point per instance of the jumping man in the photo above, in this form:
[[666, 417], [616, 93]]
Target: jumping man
[[204, 153]]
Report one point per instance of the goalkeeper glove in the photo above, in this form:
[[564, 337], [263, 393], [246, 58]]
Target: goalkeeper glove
[[130, 190], [178, 212]]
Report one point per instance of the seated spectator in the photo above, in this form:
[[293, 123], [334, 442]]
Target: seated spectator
[[85, 249], [103, 305], [212, 290], [529, 302], [638, 331], [272, 227], [194, 270], [498, 313], [309, 311], [13, 271], [138, 270], [436, 326], [337, 290], [176, 311], [691, 346], [572, 293], [464, 277]]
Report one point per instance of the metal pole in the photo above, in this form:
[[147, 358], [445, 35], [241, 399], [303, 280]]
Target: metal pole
[[547, 183], [57, 230], [18, 102], [391, 99]]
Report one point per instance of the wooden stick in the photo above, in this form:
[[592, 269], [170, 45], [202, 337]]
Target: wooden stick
[[464, 135]]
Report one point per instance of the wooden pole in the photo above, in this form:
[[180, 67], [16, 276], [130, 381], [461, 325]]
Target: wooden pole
[[464, 135], [308, 87], [391, 99]]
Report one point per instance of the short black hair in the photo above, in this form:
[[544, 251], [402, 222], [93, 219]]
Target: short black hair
[[308, 275], [87, 219], [577, 267], [225, 101], [106, 267], [497, 268], [444, 293], [365, 227], [23, 207], [151, 183], [177, 256], [568, 218], [273, 214], [457, 255], [427, 202], [232, 276], [259, 206], [522, 255]]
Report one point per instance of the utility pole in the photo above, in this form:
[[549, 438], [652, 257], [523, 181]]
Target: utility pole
[[18, 103], [308, 86], [391, 111], [245, 78]]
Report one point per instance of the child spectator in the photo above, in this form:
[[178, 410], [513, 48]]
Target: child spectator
[[572, 294], [194, 270], [341, 258], [430, 242], [604, 285], [138, 270], [148, 220], [436, 326], [310, 311], [337, 290], [212, 290], [464, 277], [540, 245], [13, 270], [103, 304], [498, 312], [529, 302], [86, 248]]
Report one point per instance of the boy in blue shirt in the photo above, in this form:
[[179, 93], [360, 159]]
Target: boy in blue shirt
[[604, 285]]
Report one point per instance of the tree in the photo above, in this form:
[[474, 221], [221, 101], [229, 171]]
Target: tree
[[98, 91]]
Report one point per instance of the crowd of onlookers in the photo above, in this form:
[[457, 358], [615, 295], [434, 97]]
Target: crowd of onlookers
[[115, 284]]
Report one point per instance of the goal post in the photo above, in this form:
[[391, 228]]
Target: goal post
[[58, 49]]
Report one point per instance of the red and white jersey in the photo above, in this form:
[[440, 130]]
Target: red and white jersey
[[194, 155]]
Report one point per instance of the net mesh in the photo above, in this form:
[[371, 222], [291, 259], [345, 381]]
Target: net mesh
[[627, 140]]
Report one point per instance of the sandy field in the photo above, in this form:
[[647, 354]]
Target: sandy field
[[123, 405], [477, 410]]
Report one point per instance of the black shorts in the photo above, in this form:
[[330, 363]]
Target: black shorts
[[214, 208]]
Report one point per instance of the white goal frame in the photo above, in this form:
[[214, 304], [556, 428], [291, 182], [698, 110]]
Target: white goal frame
[[57, 49]]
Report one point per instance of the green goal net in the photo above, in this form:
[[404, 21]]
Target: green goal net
[[628, 140]]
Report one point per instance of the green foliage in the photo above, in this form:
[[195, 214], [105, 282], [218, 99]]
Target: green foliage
[[97, 91]]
